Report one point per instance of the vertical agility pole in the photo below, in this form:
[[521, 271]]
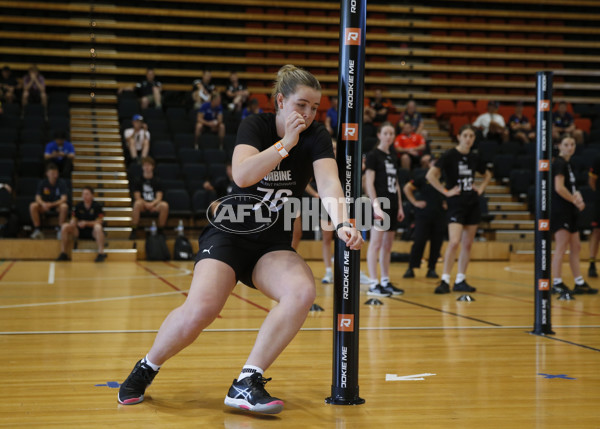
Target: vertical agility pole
[[543, 186], [344, 388]]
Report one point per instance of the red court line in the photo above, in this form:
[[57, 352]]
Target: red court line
[[6, 270], [165, 281], [233, 294]]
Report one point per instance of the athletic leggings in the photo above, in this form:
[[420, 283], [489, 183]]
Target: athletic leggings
[[433, 230]]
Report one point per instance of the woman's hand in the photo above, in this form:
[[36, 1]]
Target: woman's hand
[[351, 236]]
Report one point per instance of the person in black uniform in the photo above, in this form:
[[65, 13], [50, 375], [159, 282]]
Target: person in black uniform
[[429, 209], [381, 184], [595, 236], [86, 222], [567, 202], [458, 165], [274, 158]]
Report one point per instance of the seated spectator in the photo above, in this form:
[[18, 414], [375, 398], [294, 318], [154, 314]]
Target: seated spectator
[[519, 126], [8, 85], [411, 115], [51, 197], [61, 152], [34, 88], [563, 124], [137, 139], [149, 91], [148, 197], [86, 223], [331, 117], [203, 89], [411, 148], [252, 109], [220, 185], [210, 118], [236, 93], [491, 124], [378, 109]]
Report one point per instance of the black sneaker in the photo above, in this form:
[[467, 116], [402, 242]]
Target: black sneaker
[[463, 287], [100, 257], [431, 274], [62, 257], [409, 274], [378, 290], [250, 394], [560, 288], [392, 289], [132, 390], [442, 288], [584, 289], [592, 271]]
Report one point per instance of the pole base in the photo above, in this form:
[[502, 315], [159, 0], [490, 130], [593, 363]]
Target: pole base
[[373, 301], [344, 401], [466, 298], [316, 307], [543, 332]]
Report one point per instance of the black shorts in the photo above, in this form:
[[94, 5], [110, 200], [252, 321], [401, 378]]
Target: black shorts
[[564, 219], [465, 211], [86, 233], [239, 253], [596, 214], [392, 212]]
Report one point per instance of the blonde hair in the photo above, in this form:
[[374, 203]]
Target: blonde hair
[[289, 77]]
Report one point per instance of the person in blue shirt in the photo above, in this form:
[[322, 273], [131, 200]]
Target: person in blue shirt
[[210, 118], [61, 152], [563, 124], [332, 117], [252, 109]]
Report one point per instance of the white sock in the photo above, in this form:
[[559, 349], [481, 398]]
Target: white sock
[[385, 281], [150, 364], [460, 277], [557, 280], [248, 370], [328, 270], [446, 278], [579, 280], [372, 283]]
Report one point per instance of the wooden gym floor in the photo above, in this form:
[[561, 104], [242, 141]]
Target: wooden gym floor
[[71, 331]]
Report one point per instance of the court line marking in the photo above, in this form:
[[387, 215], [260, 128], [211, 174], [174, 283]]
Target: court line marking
[[168, 283], [51, 270], [6, 271], [91, 300], [373, 328], [184, 272], [570, 342]]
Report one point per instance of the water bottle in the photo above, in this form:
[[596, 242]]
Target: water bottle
[[153, 228], [179, 228]]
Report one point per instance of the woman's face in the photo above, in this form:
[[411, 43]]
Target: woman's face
[[567, 147], [305, 101], [386, 135], [466, 138]]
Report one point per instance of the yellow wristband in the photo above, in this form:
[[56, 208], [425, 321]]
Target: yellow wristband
[[279, 146]]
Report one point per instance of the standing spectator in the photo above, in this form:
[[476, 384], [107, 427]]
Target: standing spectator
[[378, 109], [458, 166], [491, 124], [51, 196], [8, 85], [381, 180], [137, 139], [429, 209], [595, 236], [253, 108], [519, 126], [149, 91], [61, 152], [331, 118], [567, 202], [210, 118], [237, 93], [148, 197], [34, 88], [411, 148], [203, 89], [412, 116], [86, 223], [563, 124]]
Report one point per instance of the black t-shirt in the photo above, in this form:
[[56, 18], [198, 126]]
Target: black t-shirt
[[459, 169], [385, 166], [426, 192], [145, 88], [595, 170], [288, 179], [51, 193], [10, 81], [564, 168], [148, 187], [232, 88], [80, 212]]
